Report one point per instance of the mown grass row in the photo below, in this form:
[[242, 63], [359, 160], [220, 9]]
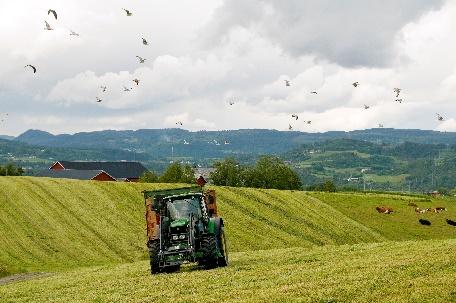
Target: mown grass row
[[410, 271], [277, 219], [53, 224]]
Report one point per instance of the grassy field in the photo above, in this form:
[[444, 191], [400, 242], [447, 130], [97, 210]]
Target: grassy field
[[412, 271], [89, 237], [402, 224], [50, 224]]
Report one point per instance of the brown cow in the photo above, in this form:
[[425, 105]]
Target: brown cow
[[384, 209]]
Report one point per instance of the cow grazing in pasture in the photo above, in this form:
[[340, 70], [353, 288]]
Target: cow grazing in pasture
[[384, 209], [436, 210], [439, 209], [424, 222], [412, 204], [420, 210], [451, 222]]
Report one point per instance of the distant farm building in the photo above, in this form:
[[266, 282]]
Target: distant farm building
[[204, 172], [101, 171], [98, 175]]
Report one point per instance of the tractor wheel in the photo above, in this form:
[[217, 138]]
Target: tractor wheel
[[209, 249], [171, 269], [221, 241], [154, 249]]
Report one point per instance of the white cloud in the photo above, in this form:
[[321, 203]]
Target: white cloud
[[254, 48]]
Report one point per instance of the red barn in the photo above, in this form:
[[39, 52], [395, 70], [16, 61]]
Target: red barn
[[98, 175], [119, 171]]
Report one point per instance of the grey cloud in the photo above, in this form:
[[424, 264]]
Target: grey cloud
[[350, 33]]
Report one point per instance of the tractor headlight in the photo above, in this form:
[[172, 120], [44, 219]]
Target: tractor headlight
[[175, 237], [182, 237]]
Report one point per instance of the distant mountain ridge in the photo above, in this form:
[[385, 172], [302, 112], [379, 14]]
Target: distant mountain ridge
[[256, 141]]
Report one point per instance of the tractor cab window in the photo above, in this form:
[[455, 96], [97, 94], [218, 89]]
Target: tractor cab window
[[184, 208]]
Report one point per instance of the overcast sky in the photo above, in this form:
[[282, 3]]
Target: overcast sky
[[202, 54]]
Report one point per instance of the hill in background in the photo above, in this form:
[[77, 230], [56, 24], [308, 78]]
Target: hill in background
[[362, 165]]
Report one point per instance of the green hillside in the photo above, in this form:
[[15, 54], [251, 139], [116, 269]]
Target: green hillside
[[415, 166], [88, 238], [52, 224], [411, 271]]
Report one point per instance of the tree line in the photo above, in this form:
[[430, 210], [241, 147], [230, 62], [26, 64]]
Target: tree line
[[11, 170], [268, 172]]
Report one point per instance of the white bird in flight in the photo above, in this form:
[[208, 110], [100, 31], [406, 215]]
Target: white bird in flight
[[53, 12], [33, 67], [48, 27], [141, 60]]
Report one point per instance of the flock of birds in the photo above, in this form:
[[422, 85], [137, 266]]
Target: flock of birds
[[103, 88], [397, 91]]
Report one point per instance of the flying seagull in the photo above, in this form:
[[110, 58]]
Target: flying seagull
[[231, 102], [48, 27], [141, 60], [126, 89], [309, 122], [186, 142], [380, 125], [314, 92], [355, 84], [439, 117], [136, 81], [366, 106], [295, 116], [33, 67], [397, 91], [290, 127], [98, 99], [179, 123], [53, 12], [73, 33], [145, 41], [103, 88], [227, 142], [287, 82], [128, 12], [398, 100]]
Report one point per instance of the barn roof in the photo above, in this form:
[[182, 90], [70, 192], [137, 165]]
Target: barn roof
[[70, 173], [119, 170]]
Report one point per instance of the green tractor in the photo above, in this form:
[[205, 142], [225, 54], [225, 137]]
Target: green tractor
[[183, 226]]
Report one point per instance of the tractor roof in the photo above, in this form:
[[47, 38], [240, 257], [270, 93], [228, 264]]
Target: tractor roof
[[165, 193]]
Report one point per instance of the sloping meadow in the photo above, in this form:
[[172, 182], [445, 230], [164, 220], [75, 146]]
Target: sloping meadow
[[55, 224]]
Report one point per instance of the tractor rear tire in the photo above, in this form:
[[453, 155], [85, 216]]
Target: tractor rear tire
[[154, 249], [221, 241], [209, 249]]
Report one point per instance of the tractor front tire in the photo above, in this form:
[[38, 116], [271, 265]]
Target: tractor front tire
[[209, 249], [154, 249]]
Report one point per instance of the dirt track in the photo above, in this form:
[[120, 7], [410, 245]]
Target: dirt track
[[22, 277]]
